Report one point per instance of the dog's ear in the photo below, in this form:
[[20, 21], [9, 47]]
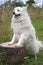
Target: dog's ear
[[25, 7]]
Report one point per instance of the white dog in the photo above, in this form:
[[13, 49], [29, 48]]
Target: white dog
[[24, 32]]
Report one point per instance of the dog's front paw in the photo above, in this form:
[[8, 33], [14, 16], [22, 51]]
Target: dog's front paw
[[18, 45], [10, 43]]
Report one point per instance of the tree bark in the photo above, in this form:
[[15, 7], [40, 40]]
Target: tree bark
[[12, 54]]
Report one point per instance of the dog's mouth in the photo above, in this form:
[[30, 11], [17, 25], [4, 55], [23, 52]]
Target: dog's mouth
[[16, 15]]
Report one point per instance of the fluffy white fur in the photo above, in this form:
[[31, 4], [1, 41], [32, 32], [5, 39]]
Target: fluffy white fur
[[24, 32]]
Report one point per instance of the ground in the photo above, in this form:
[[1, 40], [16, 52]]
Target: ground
[[6, 32]]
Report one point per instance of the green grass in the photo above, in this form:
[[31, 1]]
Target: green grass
[[38, 24], [6, 33]]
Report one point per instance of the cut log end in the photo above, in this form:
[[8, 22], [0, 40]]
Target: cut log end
[[7, 45], [13, 54]]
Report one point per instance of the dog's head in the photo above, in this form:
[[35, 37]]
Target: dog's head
[[19, 11]]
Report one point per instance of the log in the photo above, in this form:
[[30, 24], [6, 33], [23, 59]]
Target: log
[[11, 53]]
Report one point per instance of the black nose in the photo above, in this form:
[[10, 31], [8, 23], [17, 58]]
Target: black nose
[[13, 12]]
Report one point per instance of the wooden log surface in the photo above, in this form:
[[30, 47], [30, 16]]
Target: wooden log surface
[[13, 54]]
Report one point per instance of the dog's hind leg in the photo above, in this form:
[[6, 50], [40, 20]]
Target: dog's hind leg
[[35, 56], [22, 40]]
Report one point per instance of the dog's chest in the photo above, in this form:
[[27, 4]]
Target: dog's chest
[[21, 26]]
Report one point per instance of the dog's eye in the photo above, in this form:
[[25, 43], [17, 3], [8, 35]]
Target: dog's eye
[[17, 10]]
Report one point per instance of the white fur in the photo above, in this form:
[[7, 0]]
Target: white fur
[[24, 32]]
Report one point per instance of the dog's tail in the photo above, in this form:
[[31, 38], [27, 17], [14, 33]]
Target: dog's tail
[[40, 44]]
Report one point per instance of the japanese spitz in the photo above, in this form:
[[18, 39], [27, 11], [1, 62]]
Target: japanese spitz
[[23, 31]]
